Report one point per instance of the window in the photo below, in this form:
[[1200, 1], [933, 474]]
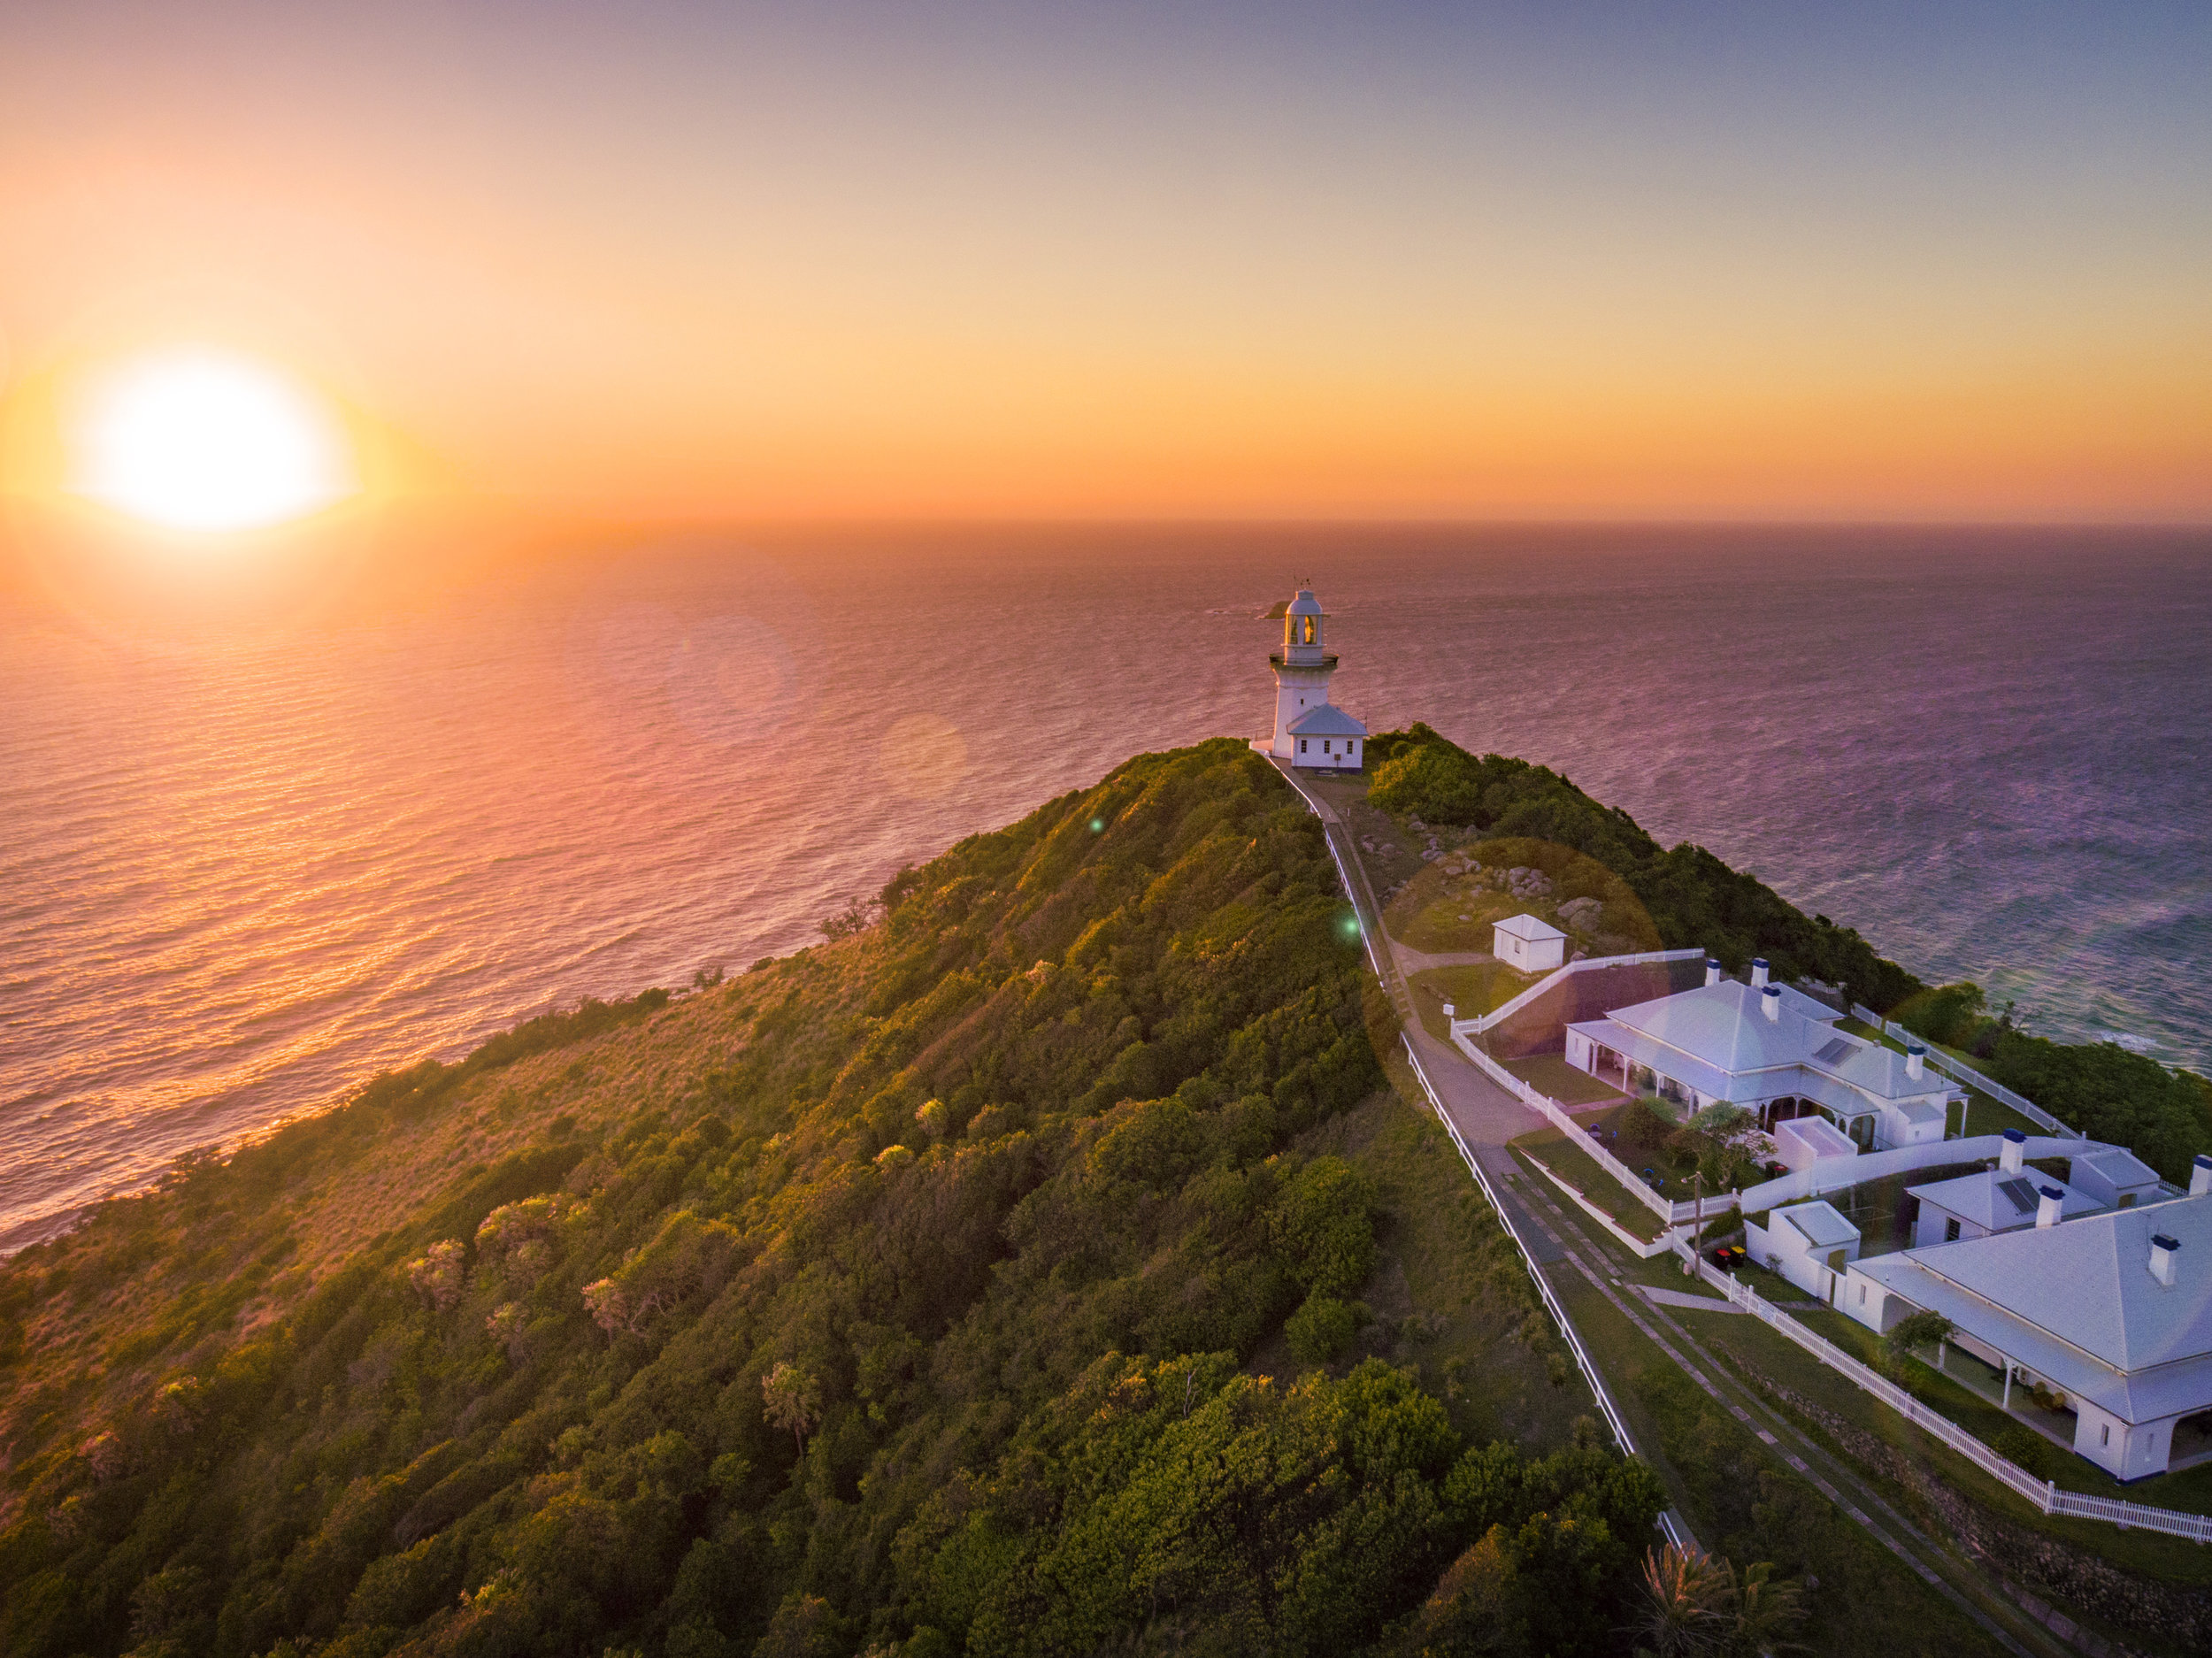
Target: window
[[1325, 745], [1308, 631], [2105, 1434], [1951, 1230], [1861, 1294], [1302, 745]]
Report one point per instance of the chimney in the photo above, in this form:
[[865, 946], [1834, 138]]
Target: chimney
[[1758, 972], [1916, 1060], [2009, 1153], [1712, 971], [2047, 1211], [2164, 1249], [2200, 1175], [1770, 1000]]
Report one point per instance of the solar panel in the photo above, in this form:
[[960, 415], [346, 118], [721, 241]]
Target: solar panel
[[1835, 1049], [2021, 1193]]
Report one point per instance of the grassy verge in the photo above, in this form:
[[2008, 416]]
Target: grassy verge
[[1551, 1148], [1449, 1293], [1742, 1501], [1473, 989]]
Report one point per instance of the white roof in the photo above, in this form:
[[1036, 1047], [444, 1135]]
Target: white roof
[[1326, 719], [2118, 1167], [1529, 929], [1305, 603], [1823, 1136], [1998, 1201], [2076, 1302], [1820, 1225], [1718, 1040]]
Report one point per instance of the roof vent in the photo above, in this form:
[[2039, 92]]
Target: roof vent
[[2009, 1153], [2164, 1249], [2200, 1175], [1712, 971], [1771, 999], [1758, 972], [2046, 1212], [1916, 1061]]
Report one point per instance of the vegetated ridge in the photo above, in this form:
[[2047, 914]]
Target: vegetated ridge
[[1007, 1276], [919, 1289]]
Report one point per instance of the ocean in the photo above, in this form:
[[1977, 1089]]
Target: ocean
[[242, 868]]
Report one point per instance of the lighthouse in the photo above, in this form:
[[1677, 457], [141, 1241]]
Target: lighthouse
[[1310, 730]]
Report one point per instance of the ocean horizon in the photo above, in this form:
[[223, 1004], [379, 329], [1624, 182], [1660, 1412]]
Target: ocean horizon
[[247, 867]]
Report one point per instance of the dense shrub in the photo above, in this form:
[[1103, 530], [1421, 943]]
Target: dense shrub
[[1694, 899]]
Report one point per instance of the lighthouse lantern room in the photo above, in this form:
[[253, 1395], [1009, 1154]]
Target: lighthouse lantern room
[[1310, 730]]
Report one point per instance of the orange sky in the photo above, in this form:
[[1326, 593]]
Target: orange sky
[[709, 268]]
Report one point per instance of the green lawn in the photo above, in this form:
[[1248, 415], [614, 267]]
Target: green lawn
[[1553, 1075], [1473, 989], [1552, 1148]]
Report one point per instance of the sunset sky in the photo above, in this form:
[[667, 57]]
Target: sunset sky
[[686, 262]]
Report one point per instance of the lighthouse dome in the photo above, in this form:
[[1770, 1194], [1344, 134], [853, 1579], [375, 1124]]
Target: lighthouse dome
[[1305, 603]]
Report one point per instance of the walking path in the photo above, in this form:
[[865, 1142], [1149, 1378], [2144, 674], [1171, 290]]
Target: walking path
[[1487, 1117]]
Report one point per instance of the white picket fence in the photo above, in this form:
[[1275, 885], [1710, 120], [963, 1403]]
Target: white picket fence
[[2044, 1494], [1672, 1213], [1962, 1071]]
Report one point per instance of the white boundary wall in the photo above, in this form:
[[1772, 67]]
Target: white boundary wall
[[1492, 1018], [1834, 1174]]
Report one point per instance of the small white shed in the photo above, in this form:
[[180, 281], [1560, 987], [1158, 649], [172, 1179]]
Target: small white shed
[[1810, 1244], [1528, 944]]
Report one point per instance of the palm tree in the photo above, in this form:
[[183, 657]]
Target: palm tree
[[1763, 1611], [1683, 1590]]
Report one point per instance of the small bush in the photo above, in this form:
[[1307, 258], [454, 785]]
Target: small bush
[[2027, 1447], [1321, 1330]]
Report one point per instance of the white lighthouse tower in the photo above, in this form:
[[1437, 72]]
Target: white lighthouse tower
[[1310, 730]]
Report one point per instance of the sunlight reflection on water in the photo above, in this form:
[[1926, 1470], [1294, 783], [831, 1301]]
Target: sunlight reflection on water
[[241, 873]]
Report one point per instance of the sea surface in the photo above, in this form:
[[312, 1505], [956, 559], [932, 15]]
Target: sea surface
[[246, 864]]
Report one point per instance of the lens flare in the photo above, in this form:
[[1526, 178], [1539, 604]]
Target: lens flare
[[203, 440]]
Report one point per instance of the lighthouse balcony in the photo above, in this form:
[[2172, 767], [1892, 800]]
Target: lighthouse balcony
[[1277, 660]]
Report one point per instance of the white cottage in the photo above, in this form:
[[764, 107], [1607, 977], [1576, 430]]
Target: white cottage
[[1772, 1050], [2113, 1312], [1310, 730], [2003, 1198], [1528, 944]]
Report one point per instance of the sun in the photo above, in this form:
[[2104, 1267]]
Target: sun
[[201, 439]]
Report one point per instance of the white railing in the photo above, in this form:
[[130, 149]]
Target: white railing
[[1528, 1259], [1962, 1072], [2044, 1494], [1558, 975], [1668, 1211]]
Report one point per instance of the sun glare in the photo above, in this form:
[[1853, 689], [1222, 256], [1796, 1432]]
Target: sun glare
[[201, 439]]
